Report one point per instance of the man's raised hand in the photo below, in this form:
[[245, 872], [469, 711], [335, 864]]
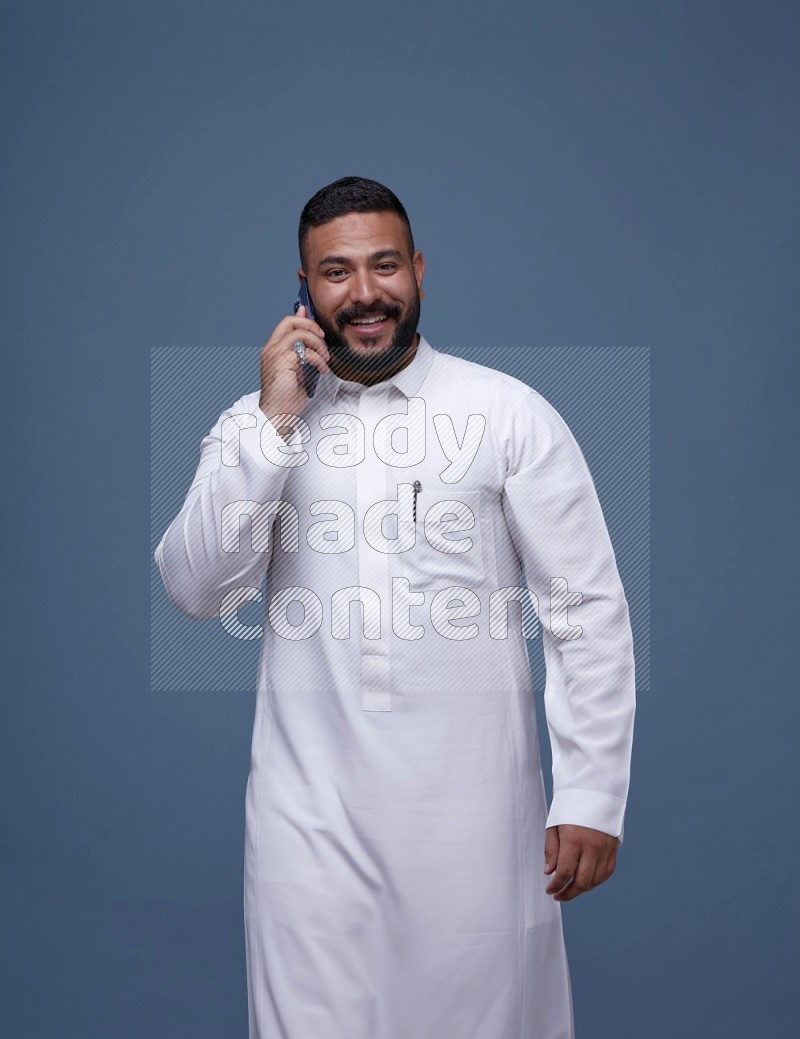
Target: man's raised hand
[[282, 388]]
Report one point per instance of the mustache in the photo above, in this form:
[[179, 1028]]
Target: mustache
[[359, 312]]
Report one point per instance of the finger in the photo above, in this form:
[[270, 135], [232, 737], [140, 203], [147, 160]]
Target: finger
[[560, 880], [312, 356], [309, 339], [301, 315], [301, 320], [296, 322], [565, 867], [583, 879], [315, 352], [551, 843], [282, 353]]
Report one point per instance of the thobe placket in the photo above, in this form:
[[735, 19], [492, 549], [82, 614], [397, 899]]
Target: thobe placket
[[373, 565]]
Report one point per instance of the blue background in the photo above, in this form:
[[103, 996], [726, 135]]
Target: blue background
[[578, 175]]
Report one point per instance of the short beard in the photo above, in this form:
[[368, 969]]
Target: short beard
[[346, 358]]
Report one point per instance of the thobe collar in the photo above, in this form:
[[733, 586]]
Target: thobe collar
[[408, 380]]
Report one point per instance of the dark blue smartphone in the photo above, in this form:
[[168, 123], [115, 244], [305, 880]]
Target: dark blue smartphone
[[310, 373]]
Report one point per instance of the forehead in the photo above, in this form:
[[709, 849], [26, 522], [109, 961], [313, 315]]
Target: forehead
[[356, 235]]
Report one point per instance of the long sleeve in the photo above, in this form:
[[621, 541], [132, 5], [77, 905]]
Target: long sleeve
[[560, 535], [242, 471]]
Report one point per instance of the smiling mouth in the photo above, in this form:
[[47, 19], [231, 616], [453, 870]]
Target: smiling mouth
[[365, 322], [369, 328]]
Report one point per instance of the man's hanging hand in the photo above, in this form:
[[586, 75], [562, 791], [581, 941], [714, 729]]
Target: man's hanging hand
[[579, 858]]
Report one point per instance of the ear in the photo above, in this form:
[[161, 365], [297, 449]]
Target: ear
[[300, 274], [418, 263]]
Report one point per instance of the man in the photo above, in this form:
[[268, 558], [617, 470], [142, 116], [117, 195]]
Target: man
[[395, 809]]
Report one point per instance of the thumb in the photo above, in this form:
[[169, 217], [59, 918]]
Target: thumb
[[551, 847]]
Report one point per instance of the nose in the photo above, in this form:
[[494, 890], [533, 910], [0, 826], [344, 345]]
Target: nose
[[364, 287]]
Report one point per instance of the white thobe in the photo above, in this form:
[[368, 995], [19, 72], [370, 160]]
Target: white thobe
[[395, 807]]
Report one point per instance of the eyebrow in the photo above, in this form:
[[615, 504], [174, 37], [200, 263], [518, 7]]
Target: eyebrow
[[345, 261]]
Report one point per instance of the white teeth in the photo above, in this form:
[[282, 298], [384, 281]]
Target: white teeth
[[369, 321]]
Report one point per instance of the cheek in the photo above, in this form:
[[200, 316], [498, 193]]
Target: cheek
[[411, 289], [326, 304]]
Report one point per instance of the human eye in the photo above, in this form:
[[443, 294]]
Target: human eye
[[387, 266], [336, 273]]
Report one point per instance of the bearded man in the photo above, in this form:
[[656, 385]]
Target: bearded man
[[403, 873]]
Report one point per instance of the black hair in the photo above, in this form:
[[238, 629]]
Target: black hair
[[349, 195]]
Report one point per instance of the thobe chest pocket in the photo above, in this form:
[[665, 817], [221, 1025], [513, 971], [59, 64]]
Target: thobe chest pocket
[[448, 545]]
